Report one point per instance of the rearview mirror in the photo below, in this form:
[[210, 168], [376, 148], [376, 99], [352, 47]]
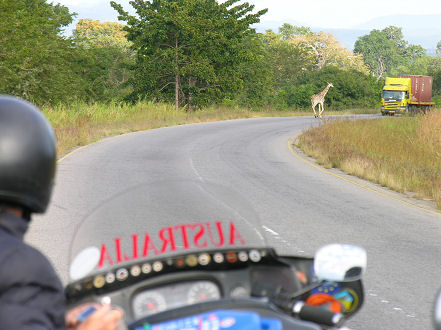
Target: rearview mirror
[[340, 262]]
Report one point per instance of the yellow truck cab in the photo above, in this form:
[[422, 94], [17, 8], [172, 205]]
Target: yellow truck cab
[[407, 93], [396, 96]]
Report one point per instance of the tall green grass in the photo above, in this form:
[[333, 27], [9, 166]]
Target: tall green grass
[[403, 153]]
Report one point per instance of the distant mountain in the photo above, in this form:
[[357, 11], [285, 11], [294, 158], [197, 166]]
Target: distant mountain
[[423, 30], [408, 22], [347, 37]]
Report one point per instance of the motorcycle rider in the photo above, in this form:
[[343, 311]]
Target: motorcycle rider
[[31, 294]]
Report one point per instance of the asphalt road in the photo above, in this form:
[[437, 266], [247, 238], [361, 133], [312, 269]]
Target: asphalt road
[[300, 206]]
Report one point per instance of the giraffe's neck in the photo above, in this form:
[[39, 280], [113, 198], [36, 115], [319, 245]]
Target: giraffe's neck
[[323, 93]]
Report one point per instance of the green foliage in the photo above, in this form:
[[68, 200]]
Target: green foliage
[[189, 50], [434, 70], [351, 89], [195, 53], [385, 50], [289, 61], [436, 81], [287, 31], [298, 97], [327, 50], [107, 34], [419, 67], [36, 62], [106, 57], [257, 75], [437, 100]]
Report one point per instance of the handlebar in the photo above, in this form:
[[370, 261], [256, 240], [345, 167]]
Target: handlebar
[[316, 314], [299, 308]]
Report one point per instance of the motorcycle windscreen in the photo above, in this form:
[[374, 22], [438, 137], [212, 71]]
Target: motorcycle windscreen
[[160, 219]]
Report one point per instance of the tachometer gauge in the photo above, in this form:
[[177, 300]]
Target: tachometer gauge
[[202, 291], [147, 303]]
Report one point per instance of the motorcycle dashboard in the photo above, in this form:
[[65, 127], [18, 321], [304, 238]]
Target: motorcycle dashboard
[[174, 295], [176, 269], [179, 286], [149, 288]]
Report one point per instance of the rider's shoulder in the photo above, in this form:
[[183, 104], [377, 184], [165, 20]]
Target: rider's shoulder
[[25, 264]]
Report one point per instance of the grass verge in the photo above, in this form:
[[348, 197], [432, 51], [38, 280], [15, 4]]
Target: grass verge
[[402, 153], [81, 124]]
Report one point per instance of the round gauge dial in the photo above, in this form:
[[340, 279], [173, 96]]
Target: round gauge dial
[[147, 303], [202, 291]]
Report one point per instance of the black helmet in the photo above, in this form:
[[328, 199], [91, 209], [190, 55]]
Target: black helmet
[[27, 155]]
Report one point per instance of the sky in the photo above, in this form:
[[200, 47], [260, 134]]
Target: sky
[[311, 13]]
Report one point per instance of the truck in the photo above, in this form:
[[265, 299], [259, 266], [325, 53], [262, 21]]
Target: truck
[[407, 94]]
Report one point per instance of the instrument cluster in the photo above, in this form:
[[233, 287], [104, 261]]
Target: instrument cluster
[[158, 299]]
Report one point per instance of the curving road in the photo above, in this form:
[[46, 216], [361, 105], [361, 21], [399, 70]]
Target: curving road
[[301, 207]]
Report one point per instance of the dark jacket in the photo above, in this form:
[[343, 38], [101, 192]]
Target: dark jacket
[[31, 294]]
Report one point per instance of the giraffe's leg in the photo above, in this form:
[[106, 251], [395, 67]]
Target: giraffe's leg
[[321, 110], [313, 108]]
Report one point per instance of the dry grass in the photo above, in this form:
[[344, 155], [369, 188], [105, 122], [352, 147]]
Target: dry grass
[[81, 124], [402, 153]]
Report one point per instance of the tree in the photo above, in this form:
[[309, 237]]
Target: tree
[[288, 31], [327, 50], [419, 67], [106, 59], [438, 48], [434, 70], [106, 34], [288, 60], [385, 50], [257, 75], [35, 59], [189, 50]]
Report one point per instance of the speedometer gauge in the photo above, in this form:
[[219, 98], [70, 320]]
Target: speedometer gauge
[[147, 303], [202, 291]]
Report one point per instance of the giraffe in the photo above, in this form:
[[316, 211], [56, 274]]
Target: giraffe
[[319, 99]]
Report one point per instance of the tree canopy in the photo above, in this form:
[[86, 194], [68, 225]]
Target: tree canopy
[[189, 50], [106, 34], [194, 53], [287, 31], [384, 50], [327, 50], [106, 59], [34, 57]]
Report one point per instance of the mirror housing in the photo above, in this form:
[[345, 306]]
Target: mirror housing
[[84, 263], [437, 312], [340, 263]]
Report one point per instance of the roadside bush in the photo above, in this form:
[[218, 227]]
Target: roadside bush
[[437, 100], [298, 97]]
